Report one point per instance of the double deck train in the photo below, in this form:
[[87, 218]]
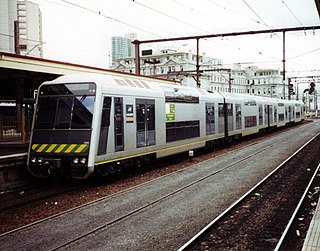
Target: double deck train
[[91, 123]]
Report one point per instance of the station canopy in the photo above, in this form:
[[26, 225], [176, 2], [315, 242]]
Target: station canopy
[[20, 75]]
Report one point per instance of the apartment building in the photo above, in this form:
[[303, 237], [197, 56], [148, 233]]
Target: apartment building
[[122, 47], [21, 28]]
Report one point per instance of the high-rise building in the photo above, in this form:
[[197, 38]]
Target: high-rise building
[[122, 47], [8, 15], [21, 28]]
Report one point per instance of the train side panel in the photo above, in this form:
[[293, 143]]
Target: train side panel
[[100, 123]]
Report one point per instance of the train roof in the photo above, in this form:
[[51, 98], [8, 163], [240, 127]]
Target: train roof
[[124, 83], [133, 84]]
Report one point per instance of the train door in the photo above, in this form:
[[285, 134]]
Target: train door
[[260, 115], [221, 118], [268, 115], [225, 118], [275, 114], [145, 110], [104, 128], [290, 113], [118, 124], [210, 119], [238, 117], [230, 117]]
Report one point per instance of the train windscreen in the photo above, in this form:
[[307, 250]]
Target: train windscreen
[[65, 106]]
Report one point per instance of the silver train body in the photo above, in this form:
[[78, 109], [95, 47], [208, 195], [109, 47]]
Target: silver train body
[[96, 123]]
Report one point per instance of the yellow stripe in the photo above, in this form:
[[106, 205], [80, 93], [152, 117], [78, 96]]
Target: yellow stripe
[[79, 150], [41, 148], [60, 148], [49, 150], [70, 148], [155, 151]]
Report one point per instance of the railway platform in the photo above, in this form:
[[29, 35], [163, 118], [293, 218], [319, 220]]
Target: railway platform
[[13, 156], [9, 148], [312, 241]]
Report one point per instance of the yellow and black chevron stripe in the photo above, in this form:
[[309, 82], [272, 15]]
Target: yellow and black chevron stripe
[[60, 148]]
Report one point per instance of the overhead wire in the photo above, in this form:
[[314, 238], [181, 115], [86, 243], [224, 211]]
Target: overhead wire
[[110, 18], [113, 19], [169, 16], [283, 2], [261, 22], [69, 4], [255, 13], [305, 53], [235, 12], [186, 6], [12, 36], [201, 13], [174, 18]]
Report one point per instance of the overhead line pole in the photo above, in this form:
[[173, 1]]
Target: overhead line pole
[[229, 34], [16, 38], [284, 65], [198, 65], [283, 30]]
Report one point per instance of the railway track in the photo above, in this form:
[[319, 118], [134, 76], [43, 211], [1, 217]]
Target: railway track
[[27, 193], [18, 188], [236, 228], [112, 212], [25, 189], [291, 237]]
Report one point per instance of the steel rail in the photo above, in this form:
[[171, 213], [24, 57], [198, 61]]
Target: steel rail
[[142, 207], [224, 213], [136, 186], [16, 155], [147, 205], [294, 215]]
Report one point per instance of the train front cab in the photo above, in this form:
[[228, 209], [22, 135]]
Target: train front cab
[[61, 132]]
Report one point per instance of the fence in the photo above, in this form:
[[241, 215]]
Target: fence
[[15, 129]]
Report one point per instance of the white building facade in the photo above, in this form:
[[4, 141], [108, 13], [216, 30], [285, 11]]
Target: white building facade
[[266, 82], [8, 14], [181, 67], [28, 29]]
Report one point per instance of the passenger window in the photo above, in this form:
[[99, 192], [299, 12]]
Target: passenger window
[[146, 134], [105, 123], [46, 113], [210, 119], [64, 113], [118, 124], [82, 112]]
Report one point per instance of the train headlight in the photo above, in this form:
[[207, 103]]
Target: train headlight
[[83, 160], [75, 160], [39, 160], [33, 159]]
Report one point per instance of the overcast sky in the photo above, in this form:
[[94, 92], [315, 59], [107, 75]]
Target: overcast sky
[[80, 31]]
